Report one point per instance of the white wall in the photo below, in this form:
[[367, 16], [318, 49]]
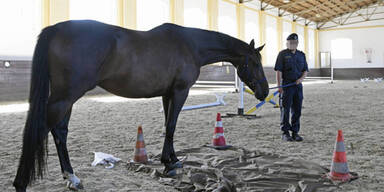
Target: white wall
[[345, 56], [356, 18]]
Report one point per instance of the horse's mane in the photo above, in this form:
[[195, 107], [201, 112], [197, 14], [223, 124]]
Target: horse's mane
[[205, 42]]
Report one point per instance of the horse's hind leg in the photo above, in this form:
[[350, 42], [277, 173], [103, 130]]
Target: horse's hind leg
[[59, 112], [59, 134]]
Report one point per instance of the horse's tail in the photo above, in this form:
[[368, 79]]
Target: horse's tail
[[34, 153]]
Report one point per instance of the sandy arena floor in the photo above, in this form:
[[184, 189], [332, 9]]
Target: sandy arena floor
[[259, 161]]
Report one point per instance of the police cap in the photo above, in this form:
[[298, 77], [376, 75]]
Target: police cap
[[293, 36]]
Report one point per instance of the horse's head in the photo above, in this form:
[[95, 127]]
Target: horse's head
[[250, 71]]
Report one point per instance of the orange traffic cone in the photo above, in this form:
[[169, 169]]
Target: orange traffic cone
[[339, 168], [140, 154], [218, 141]]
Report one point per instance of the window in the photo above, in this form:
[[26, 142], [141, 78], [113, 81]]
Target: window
[[270, 41], [252, 27], [311, 48], [100, 10], [151, 13], [227, 18], [21, 24], [195, 13]]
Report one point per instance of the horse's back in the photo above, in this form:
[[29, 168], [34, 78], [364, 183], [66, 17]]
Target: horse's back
[[149, 63], [124, 62], [77, 53]]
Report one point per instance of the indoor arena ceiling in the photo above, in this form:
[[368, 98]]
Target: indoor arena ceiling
[[318, 11]]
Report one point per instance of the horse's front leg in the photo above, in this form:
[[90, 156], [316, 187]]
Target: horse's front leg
[[168, 156]]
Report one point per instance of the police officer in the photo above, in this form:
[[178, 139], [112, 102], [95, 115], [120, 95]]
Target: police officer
[[291, 67]]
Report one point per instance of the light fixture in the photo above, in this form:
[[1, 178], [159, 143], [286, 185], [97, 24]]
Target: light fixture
[[286, 1], [318, 15], [7, 64]]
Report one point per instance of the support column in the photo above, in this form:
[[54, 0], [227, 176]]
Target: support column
[[240, 21], [45, 13], [176, 11], [293, 26], [279, 33], [120, 13], [59, 11], [317, 63], [262, 33], [127, 13], [213, 14], [306, 40]]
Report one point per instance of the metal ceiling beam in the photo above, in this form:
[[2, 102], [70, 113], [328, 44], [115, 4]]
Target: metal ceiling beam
[[371, 14], [376, 13], [307, 22], [267, 4], [335, 11], [244, 1], [350, 23], [365, 17], [346, 19]]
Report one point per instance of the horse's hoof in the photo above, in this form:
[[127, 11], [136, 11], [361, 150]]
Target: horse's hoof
[[74, 186], [20, 189], [177, 164]]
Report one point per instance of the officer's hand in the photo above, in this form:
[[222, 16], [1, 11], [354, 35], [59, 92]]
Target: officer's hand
[[299, 81], [281, 90]]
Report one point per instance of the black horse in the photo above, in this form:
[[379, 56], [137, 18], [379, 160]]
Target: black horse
[[74, 57]]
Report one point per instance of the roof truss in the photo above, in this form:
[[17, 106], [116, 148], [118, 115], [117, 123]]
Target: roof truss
[[321, 12]]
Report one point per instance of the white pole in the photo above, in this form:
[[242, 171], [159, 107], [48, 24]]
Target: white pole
[[236, 81], [240, 110], [330, 63], [219, 101]]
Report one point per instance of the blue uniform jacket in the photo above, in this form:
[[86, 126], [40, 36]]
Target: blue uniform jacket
[[292, 65]]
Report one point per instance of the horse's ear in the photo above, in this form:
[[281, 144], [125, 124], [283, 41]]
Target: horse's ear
[[252, 44], [260, 48]]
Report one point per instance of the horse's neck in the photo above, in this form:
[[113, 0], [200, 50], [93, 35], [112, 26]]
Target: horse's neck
[[215, 47]]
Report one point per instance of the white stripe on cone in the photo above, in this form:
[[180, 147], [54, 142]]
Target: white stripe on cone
[[218, 135], [219, 124]]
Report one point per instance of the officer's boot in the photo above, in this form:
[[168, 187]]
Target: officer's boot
[[286, 136], [296, 137]]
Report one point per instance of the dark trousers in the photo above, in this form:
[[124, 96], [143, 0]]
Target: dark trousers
[[290, 102]]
